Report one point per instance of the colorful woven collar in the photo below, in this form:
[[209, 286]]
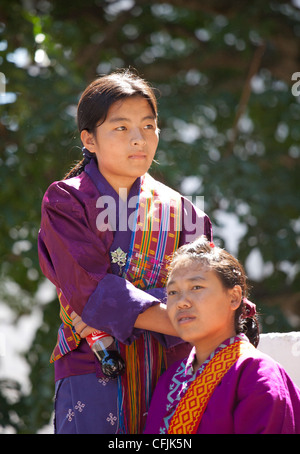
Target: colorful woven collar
[[189, 370], [189, 411], [185, 376]]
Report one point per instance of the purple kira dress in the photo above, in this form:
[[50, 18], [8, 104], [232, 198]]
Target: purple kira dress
[[72, 258], [256, 396]]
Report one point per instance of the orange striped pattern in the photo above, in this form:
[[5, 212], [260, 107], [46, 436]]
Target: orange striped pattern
[[191, 407]]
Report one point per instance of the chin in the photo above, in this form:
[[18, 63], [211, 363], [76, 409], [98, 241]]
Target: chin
[[185, 337]]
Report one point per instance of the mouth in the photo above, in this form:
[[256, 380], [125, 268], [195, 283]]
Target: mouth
[[184, 318], [138, 157], [138, 153]]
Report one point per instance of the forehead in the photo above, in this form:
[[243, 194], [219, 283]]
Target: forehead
[[133, 105], [188, 269]]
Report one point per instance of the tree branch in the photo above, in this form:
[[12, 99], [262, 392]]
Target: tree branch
[[254, 67]]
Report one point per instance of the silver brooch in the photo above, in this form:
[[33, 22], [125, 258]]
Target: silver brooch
[[119, 257]]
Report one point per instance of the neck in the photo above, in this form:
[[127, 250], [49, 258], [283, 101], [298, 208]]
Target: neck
[[205, 349], [121, 185], [122, 188]]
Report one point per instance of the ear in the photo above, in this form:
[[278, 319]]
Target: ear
[[88, 140], [236, 296]]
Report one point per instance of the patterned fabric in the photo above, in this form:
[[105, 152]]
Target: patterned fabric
[[155, 239], [67, 339], [156, 235], [87, 404], [89, 283], [191, 407], [185, 376]]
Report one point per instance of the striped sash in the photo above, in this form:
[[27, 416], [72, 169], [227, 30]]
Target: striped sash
[[156, 237], [191, 407], [67, 338]]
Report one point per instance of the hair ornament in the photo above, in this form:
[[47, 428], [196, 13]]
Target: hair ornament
[[250, 308], [212, 244]]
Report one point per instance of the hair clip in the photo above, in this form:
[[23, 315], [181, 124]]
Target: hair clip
[[250, 308], [211, 244]]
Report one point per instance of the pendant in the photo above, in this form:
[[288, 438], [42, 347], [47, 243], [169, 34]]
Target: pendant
[[119, 257]]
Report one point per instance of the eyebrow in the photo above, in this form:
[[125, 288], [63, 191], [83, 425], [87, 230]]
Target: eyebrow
[[120, 119], [191, 279]]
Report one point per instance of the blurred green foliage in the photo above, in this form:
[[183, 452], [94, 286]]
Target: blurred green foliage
[[229, 121]]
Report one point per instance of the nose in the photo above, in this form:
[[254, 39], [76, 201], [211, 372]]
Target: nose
[[137, 138], [183, 301]]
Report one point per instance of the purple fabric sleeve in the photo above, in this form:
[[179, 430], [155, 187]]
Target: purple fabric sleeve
[[116, 300], [72, 255], [114, 307]]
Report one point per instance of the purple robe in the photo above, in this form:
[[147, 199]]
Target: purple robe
[[75, 256], [256, 396]]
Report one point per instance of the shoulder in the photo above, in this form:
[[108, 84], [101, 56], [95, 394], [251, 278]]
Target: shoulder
[[259, 370], [194, 221], [74, 189], [160, 188], [258, 359], [189, 205], [74, 198]]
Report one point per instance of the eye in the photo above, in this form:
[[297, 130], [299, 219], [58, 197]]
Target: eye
[[149, 126], [121, 128], [171, 292], [197, 287]]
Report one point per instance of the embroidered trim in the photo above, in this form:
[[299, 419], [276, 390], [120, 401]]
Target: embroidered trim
[[191, 407]]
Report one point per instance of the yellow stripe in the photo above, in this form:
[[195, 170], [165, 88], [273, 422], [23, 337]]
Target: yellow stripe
[[191, 407]]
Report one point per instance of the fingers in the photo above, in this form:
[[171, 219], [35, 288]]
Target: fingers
[[73, 315], [75, 318], [81, 328], [86, 331], [78, 324]]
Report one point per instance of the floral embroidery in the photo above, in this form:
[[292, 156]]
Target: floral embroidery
[[103, 381], [79, 406], [111, 419], [70, 415]]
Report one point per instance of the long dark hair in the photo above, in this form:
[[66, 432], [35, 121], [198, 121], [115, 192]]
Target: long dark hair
[[230, 272], [100, 95]]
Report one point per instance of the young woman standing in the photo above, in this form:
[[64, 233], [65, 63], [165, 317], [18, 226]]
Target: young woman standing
[[107, 232]]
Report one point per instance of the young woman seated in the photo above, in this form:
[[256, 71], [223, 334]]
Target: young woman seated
[[225, 385]]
